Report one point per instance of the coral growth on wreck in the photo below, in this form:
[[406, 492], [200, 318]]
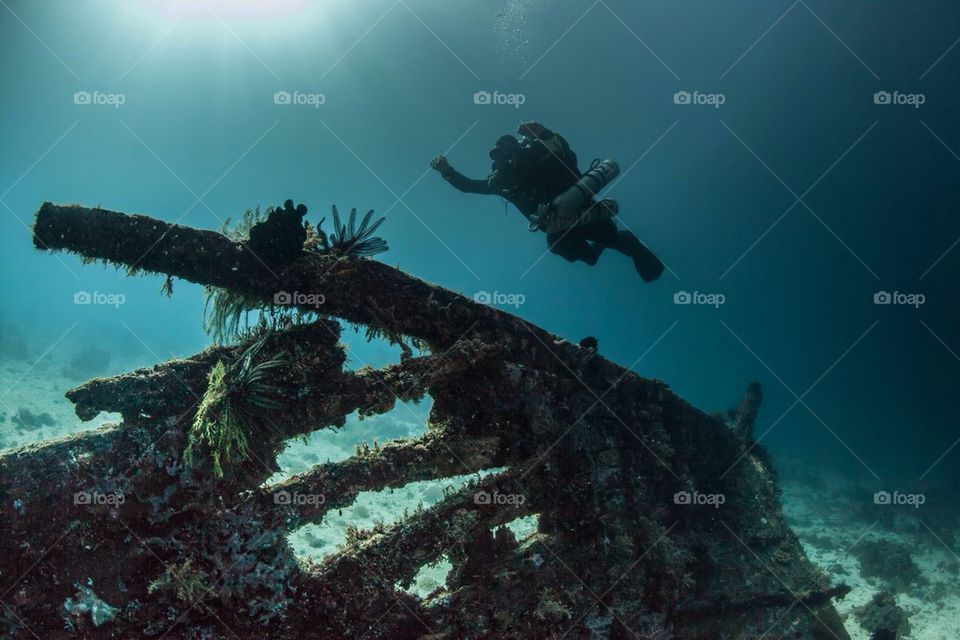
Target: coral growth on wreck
[[237, 406], [229, 314]]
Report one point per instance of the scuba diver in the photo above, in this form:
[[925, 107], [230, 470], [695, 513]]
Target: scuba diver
[[539, 175]]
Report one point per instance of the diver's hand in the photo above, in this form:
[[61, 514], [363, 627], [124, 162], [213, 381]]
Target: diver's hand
[[440, 164]]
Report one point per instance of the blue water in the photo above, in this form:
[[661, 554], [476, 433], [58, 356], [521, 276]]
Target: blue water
[[198, 137]]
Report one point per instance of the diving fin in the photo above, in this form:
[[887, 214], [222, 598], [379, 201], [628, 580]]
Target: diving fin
[[647, 264]]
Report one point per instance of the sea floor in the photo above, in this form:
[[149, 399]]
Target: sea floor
[[906, 551], [836, 521], [32, 402]]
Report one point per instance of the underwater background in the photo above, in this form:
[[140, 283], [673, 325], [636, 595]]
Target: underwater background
[[795, 162]]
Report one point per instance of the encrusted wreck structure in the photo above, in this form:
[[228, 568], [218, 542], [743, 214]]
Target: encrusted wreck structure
[[612, 464]]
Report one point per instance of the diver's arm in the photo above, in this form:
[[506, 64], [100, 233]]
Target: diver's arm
[[465, 184], [460, 181]]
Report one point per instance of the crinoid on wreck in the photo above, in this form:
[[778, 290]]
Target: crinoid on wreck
[[612, 465], [349, 239]]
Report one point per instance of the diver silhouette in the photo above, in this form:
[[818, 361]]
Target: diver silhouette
[[539, 175]]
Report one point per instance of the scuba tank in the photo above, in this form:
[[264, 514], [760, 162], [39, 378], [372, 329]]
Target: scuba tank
[[566, 210]]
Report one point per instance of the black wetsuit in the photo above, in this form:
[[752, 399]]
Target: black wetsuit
[[534, 174], [538, 172]]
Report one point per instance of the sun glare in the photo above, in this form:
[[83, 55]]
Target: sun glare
[[233, 11]]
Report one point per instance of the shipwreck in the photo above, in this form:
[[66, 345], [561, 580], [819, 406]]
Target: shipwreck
[[607, 461]]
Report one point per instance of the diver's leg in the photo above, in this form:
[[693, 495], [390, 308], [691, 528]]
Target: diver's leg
[[572, 245], [644, 261]]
